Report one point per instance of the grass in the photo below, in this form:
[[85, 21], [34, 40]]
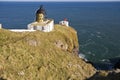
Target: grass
[[35, 56]]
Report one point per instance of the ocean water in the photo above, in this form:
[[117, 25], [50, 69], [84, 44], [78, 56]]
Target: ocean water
[[97, 24]]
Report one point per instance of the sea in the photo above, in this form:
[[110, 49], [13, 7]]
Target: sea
[[97, 25]]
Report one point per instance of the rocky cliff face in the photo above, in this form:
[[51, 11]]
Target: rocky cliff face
[[106, 75], [42, 56]]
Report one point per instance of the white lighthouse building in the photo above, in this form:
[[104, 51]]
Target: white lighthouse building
[[0, 26], [41, 23], [64, 22]]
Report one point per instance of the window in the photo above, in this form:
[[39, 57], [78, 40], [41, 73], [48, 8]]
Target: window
[[43, 28], [35, 27]]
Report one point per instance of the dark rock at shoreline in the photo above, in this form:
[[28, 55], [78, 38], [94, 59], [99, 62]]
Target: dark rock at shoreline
[[117, 65], [115, 62], [106, 75]]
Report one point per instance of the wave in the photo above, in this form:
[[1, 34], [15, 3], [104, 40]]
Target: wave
[[82, 56]]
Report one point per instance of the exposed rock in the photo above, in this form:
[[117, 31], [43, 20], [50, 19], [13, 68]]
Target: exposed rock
[[106, 75], [61, 45], [32, 42], [75, 51], [21, 73]]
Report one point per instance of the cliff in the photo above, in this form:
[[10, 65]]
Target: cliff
[[42, 56], [106, 75]]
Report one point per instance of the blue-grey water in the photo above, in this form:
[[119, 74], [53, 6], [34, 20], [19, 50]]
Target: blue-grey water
[[97, 24]]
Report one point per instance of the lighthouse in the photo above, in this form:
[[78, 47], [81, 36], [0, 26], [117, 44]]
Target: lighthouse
[[41, 23], [40, 14]]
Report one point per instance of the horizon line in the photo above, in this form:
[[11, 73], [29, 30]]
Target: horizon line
[[59, 1]]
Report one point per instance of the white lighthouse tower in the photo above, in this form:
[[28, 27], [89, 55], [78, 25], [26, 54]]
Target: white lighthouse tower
[[41, 23]]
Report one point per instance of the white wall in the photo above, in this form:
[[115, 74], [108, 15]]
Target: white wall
[[65, 23], [0, 26], [21, 30], [47, 28]]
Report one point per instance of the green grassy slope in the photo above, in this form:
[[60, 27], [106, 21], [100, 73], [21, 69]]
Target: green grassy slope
[[42, 56]]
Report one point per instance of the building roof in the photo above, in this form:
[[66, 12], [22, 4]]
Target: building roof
[[41, 10], [46, 22]]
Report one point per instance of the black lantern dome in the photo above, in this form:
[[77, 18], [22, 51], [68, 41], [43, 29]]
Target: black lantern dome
[[41, 10]]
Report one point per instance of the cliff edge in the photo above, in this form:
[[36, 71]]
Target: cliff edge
[[42, 56]]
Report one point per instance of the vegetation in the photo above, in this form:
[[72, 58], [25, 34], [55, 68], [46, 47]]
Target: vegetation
[[42, 56]]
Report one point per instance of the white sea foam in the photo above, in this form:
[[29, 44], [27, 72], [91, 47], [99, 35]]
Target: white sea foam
[[82, 56], [90, 53], [99, 36], [98, 32], [105, 60], [88, 43]]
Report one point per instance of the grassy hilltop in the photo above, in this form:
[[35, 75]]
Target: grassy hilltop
[[42, 56]]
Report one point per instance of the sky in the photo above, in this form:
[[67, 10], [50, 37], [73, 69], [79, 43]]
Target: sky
[[59, 0]]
